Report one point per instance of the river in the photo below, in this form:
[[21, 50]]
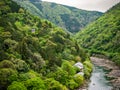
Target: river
[[98, 80]]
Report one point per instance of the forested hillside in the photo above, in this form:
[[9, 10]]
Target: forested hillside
[[103, 35], [37, 55], [69, 18]]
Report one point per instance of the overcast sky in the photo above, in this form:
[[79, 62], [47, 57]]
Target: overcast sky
[[97, 5]]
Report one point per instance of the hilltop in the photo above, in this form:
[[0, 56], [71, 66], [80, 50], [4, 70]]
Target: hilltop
[[69, 18]]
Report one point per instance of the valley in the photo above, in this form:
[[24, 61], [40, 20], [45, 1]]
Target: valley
[[69, 18], [48, 46]]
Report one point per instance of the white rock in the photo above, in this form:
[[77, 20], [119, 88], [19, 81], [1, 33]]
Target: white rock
[[79, 65], [80, 73]]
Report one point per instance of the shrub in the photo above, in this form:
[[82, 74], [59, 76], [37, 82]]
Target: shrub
[[28, 75], [39, 62], [87, 68], [116, 58], [54, 85], [68, 67], [7, 64], [60, 75], [72, 84], [35, 84], [21, 65], [79, 79], [17, 86], [7, 75]]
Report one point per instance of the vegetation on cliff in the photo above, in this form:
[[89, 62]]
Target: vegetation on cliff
[[103, 35], [69, 18], [35, 54]]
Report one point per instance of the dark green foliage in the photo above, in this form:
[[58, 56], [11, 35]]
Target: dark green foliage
[[7, 75], [116, 58], [7, 64], [103, 35], [21, 65], [70, 18]]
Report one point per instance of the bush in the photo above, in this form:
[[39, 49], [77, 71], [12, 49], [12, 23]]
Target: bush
[[66, 65], [7, 64], [79, 79], [9, 44], [17, 86], [7, 75], [72, 84], [87, 68], [38, 62], [54, 85], [116, 58], [35, 84], [21, 65], [60, 75], [28, 75]]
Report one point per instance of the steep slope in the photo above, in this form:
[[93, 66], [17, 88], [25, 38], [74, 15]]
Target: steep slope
[[103, 35], [69, 18], [35, 54]]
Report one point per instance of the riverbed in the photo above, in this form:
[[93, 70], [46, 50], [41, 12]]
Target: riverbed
[[98, 80], [114, 70]]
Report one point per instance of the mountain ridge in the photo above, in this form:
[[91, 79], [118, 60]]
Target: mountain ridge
[[102, 36], [69, 18]]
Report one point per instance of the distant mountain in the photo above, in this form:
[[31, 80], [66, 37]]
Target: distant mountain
[[69, 18], [103, 35]]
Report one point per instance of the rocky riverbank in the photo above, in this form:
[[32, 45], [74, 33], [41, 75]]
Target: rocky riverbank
[[114, 71]]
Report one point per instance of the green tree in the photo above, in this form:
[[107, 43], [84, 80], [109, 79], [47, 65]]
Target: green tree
[[21, 10], [20, 65], [87, 68], [66, 65], [72, 84], [79, 79], [7, 75], [54, 85], [35, 84], [16, 86], [60, 75], [7, 64]]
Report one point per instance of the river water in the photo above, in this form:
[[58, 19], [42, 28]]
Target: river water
[[98, 80]]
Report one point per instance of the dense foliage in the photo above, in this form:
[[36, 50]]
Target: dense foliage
[[103, 35], [70, 18], [35, 54]]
